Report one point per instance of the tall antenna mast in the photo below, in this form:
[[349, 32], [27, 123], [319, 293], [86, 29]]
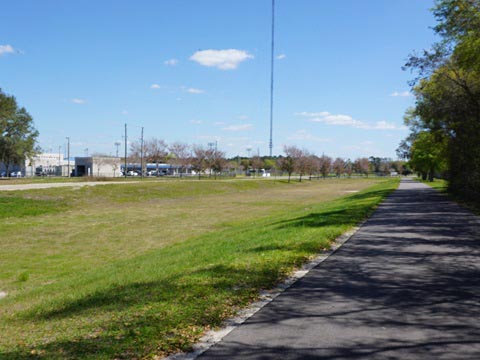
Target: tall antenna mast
[[272, 60]]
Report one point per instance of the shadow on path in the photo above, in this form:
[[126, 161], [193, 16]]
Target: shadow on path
[[406, 286]]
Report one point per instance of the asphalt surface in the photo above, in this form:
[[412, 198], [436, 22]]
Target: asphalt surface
[[405, 286]]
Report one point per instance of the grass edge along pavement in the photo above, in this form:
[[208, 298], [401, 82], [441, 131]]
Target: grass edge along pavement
[[441, 185], [164, 301]]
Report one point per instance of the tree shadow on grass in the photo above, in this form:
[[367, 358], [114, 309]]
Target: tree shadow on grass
[[149, 317]]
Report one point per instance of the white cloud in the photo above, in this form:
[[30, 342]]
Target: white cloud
[[78, 101], [281, 57], [313, 114], [304, 135], [208, 137], [195, 91], [155, 86], [228, 59], [6, 49], [196, 122], [346, 120], [242, 117], [401, 94], [242, 127], [171, 62], [381, 125]]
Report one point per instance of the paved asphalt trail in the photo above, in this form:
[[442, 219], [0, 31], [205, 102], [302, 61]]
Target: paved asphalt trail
[[405, 286]]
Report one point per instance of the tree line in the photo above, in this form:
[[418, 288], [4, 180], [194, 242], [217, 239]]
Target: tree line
[[445, 121], [301, 162]]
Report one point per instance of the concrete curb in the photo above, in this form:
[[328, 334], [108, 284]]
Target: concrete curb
[[214, 336]]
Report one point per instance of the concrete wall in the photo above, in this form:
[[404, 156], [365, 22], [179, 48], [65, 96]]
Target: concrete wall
[[97, 166]]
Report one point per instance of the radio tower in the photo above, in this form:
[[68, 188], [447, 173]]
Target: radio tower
[[271, 77]]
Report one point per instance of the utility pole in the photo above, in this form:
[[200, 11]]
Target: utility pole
[[68, 156], [141, 154], [271, 77], [125, 169], [117, 144]]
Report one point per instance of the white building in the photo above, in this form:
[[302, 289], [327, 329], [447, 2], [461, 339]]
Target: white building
[[48, 164], [97, 166]]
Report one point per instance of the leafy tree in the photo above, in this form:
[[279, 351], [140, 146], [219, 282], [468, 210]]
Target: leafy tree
[[257, 163], [18, 136], [216, 161], [270, 164], [338, 166], [312, 165], [180, 155], [156, 152], [287, 163], [362, 166], [427, 156], [246, 163], [199, 159], [348, 167], [325, 165], [447, 90]]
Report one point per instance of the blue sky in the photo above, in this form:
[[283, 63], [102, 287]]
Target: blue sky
[[198, 71]]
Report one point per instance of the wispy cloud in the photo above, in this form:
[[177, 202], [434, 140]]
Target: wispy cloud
[[195, 91], [243, 117], [171, 62], [241, 127], [196, 122], [281, 57], [6, 49], [155, 86], [228, 59], [346, 120], [78, 101], [304, 135], [401, 94]]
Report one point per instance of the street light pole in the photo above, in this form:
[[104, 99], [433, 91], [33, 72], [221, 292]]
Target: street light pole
[[141, 155], [125, 169], [68, 156]]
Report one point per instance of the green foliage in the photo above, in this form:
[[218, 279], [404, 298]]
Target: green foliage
[[427, 155], [17, 134], [448, 96]]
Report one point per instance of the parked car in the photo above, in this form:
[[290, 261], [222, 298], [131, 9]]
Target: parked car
[[132, 173], [16, 174]]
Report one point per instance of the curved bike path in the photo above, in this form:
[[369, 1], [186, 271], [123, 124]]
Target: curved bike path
[[405, 286]]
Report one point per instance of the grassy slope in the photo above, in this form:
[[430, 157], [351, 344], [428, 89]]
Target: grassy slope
[[163, 298]]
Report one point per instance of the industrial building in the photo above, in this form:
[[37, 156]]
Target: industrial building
[[99, 166]]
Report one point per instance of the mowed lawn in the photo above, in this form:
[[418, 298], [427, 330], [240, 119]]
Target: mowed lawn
[[143, 270]]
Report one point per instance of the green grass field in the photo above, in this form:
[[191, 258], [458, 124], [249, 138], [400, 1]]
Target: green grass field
[[140, 270]]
